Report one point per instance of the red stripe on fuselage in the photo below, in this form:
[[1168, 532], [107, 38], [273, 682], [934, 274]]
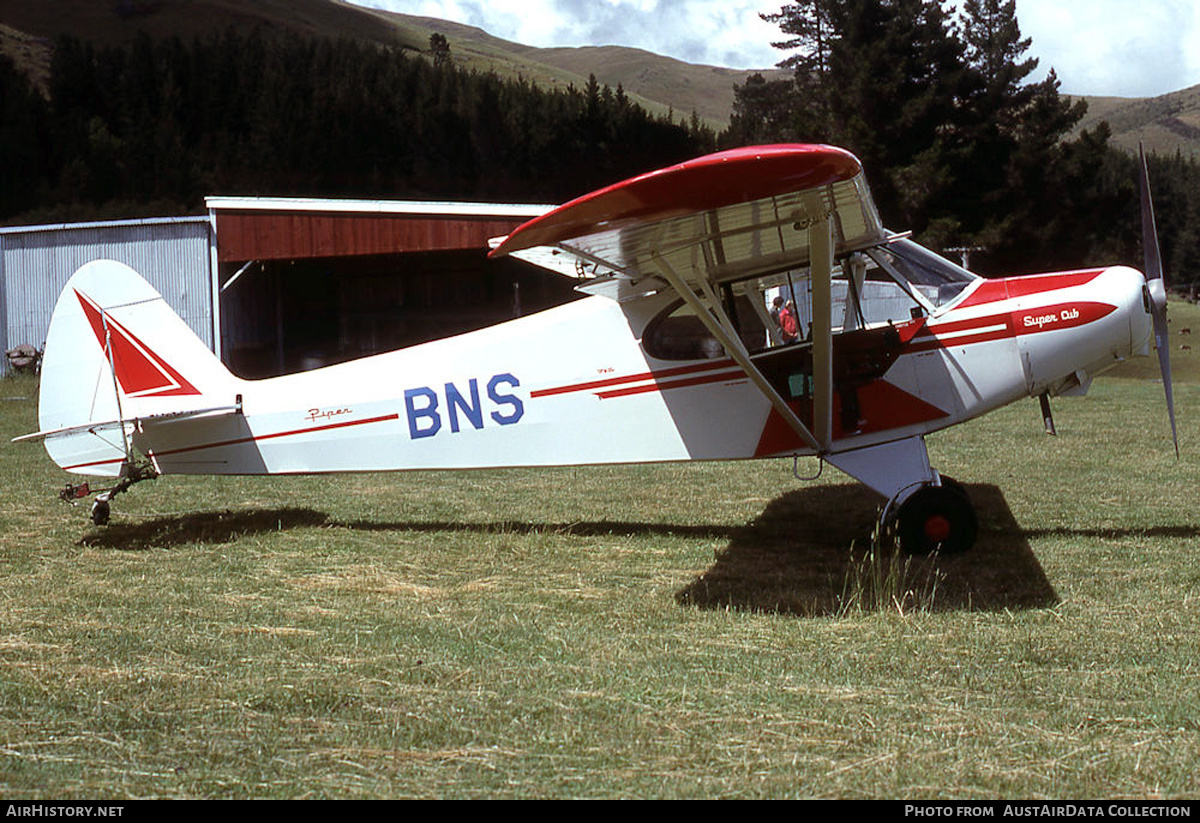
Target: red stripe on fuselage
[[992, 291], [962, 333], [1066, 315], [736, 374], [256, 438], [642, 377]]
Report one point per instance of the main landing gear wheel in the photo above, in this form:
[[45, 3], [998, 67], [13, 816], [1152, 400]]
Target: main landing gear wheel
[[938, 518]]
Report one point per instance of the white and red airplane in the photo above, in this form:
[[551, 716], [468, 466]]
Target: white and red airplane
[[674, 356]]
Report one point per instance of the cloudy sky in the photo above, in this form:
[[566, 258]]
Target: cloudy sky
[[1097, 47]]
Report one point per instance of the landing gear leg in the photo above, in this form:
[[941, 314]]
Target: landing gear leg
[[934, 512], [131, 473], [938, 518]]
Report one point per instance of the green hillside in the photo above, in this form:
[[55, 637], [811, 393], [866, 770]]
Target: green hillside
[[659, 83], [1167, 124]]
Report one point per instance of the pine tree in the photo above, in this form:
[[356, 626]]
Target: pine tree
[[439, 48], [810, 29], [958, 145], [880, 77], [764, 111], [1014, 137]]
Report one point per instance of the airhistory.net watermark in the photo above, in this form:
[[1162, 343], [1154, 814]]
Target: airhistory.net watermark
[[61, 810]]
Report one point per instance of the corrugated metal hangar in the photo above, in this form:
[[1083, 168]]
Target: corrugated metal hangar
[[276, 285], [175, 254]]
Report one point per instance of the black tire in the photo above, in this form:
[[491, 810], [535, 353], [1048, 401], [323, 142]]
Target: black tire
[[938, 518]]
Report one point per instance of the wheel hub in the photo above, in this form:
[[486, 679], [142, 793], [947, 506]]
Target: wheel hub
[[938, 528]]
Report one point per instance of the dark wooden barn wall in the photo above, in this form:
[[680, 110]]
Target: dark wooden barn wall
[[255, 235]]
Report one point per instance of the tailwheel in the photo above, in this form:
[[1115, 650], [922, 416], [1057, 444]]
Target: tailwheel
[[101, 511], [131, 473], [938, 518]]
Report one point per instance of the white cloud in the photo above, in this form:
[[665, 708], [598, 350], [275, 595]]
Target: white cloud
[[1099, 47], [716, 32], [1113, 47]]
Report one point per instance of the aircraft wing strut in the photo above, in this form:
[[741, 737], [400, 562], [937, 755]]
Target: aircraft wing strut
[[717, 322], [724, 217]]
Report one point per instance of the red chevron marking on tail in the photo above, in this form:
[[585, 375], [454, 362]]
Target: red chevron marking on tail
[[140, 371]]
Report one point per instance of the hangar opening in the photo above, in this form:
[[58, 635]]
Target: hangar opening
[[308, 283]]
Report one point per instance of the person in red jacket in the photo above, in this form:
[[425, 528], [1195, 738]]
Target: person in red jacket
[[789, 324]]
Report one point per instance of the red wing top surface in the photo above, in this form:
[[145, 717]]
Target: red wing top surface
[[721, 216]]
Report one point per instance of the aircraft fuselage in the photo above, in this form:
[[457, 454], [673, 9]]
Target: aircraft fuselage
[[574, 385]]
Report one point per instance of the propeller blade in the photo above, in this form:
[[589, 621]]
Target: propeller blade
[[1158, 292], [1164, 365], [1150, 252]]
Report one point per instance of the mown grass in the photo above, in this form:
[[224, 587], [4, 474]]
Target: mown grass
[[665, 631]]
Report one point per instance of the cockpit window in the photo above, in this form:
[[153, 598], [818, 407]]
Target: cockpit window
[[678, 334], [884, 286], [935, 278]]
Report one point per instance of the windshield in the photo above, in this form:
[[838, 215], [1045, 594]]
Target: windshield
[[934, 278]]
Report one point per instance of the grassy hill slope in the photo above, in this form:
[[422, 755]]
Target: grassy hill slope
[[658, 82], [1166, 124]]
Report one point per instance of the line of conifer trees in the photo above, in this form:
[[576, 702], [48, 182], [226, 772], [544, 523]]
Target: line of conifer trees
[[160, 124]]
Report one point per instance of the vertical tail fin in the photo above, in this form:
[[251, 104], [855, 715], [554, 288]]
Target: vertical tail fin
[[116, 352]]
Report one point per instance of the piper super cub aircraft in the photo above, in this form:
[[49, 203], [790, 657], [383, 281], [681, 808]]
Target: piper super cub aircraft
[[674, 356]]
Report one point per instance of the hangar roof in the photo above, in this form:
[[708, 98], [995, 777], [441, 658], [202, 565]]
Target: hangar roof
[[266, 228]]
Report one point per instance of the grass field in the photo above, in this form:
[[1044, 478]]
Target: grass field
[[705, 630]]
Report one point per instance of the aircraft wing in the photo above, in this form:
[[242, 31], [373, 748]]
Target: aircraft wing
[[722, 217]]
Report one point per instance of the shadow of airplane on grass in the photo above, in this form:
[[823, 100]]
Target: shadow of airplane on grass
[[802, 555], [807, 554], [223, 526], [227, 526]]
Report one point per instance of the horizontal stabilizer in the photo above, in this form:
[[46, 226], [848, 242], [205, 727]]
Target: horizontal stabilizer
[[98, 449], [87, 428]]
